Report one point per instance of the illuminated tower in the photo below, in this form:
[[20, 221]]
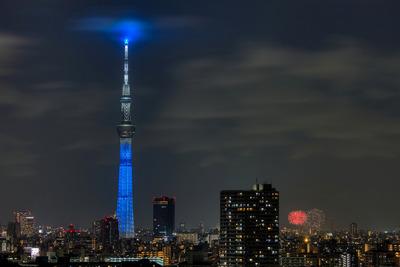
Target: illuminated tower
[[125, 132]]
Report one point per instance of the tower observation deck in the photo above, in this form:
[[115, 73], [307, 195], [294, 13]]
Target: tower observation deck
[[125, 131]]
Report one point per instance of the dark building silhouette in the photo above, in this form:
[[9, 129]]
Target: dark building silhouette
[[197, 257], [14, 229], [109, 233], [353, 229], [163, 217], [250, 227], [106, 233]]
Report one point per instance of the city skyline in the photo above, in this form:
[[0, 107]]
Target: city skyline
[[302, 95]]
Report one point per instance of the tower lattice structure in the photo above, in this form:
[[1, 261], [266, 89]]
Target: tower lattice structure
[[125, 132]]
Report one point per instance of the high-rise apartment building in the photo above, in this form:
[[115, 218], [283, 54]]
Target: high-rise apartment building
[[163, 217], [109, 234], [250, 226], [105, 233]]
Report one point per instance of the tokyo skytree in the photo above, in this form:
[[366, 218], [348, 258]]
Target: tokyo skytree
[[125, 131]]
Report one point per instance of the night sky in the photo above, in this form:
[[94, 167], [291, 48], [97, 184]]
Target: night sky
[[301, 94]]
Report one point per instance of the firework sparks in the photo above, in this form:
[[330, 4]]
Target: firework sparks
[[315, 219], [297, 217]]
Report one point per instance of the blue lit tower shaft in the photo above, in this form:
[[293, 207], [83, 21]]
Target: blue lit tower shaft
[[125, 132]]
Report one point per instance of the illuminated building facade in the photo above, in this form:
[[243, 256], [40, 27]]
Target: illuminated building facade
[[250, 227], [96, 238], [28, 226], [20, 215], [163, 217], [156, 256], [188, 238], [125, 132]]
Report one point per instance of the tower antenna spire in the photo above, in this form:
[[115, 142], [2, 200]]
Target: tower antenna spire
[[126, 68], [125, 131]]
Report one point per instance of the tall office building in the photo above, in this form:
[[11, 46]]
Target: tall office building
[[163, 217], [125, 132], [26, 223], [250, 227], [28, 226], [353, 229], [20, 215]]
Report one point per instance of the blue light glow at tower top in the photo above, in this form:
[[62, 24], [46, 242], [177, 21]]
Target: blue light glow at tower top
[[127, 30], [131, 30]]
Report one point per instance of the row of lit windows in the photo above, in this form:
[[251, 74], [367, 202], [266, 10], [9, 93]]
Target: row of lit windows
[[245, 205], [243, 209], [257, 240]]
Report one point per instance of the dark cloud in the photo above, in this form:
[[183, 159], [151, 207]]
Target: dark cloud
[[270, 95], [11, 46]]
